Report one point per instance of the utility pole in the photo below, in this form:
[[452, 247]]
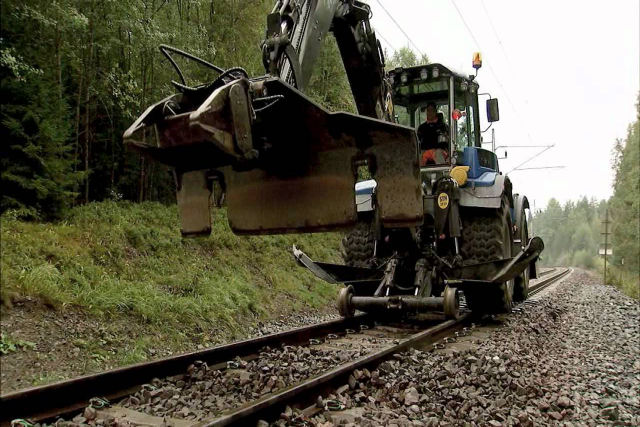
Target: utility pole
[[606, 242]]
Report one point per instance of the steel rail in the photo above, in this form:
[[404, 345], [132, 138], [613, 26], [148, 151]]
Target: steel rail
[[307, 391], [547, 271], [554, 276], [301, 394], [68, 396]]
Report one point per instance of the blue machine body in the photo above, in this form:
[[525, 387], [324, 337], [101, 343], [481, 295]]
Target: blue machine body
[[483, 166]]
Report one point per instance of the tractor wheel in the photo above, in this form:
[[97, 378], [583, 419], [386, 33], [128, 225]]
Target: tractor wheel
[[486, 236], [521, 283], [358, 245]]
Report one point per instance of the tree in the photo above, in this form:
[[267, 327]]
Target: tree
[[625, 202], [69, 93], [570, 233], [406, 57], [36, 152], [329, 85]]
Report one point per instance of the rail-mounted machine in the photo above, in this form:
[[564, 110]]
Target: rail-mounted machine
[[436, 218]]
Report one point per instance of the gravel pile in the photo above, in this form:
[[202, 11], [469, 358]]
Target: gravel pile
[[570, 358], [291, 321]]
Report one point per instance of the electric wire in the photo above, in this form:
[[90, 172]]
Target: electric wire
[[497, 36], [400, 28], [495, 33], [379, 34], [495, 75]]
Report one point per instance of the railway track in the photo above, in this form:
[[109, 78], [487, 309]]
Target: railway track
[[547, 278], [251, 380]]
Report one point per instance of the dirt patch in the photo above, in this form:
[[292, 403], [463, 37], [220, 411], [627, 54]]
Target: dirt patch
[[66, 343]]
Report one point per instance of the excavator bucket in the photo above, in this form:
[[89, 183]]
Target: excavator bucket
[[287, 165]]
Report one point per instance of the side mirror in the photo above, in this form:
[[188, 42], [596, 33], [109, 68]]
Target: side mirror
[[493, 113]]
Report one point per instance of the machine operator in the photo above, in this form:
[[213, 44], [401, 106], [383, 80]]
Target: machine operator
[[433, 135]]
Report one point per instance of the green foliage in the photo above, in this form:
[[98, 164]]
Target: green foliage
[[628, 282], [625, 203], [70, 92], [406, 57], [123, 258], [35, 156], [582, 258], [329, 85], [571, 232], [8, 344]]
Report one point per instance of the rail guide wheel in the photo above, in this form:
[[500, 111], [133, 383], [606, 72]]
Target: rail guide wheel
[[451, 303], [345, 308]]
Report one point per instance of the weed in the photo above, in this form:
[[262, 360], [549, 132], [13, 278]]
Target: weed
[[8, 344], [627, 282]]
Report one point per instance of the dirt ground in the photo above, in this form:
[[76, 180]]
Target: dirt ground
[[52, 345]]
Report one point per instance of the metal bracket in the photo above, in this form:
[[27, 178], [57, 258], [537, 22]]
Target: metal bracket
[[242, 120]]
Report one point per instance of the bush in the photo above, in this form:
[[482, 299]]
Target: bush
[[627, 282], [584, 259]]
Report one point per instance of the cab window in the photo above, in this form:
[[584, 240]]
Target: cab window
[[403, 115], [464, 129]]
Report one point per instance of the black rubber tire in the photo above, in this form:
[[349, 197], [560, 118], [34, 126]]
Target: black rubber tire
[[521, 283], [358, 245], [486, 236]]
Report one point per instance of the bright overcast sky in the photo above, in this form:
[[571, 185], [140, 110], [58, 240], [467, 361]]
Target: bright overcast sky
[[565, 73]]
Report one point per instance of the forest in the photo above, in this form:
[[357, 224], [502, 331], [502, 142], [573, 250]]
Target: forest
[[75, 73], [573, 232], [68, 98]]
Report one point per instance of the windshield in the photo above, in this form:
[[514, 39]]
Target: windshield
[[411, 101], [465, 127], [425, 106]]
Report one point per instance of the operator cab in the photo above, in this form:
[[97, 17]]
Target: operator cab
[[417, 92]]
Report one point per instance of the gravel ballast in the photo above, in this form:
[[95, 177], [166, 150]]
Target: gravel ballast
[[202, 392], [569, 358]]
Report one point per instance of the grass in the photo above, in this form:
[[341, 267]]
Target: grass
[[9, 344], [126, 259], [627, 282]]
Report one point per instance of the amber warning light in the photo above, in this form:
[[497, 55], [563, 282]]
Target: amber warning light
[[477, 60]]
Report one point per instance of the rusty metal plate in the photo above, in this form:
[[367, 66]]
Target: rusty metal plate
[[259, 202], [398, 193], [307, 179], [194, 203]]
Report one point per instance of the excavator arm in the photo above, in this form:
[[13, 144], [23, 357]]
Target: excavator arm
[[295, 33], [285, 163]]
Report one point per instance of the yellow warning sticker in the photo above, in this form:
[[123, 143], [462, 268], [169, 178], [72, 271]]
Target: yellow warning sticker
[[443, 200]]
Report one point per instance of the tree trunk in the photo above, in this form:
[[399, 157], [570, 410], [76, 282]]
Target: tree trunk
[[86, 147], [87, 110], [59, 63], [141, 183]]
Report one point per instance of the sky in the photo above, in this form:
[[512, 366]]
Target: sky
[[566, 72]]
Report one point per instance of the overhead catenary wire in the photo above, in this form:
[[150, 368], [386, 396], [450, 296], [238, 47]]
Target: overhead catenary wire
[[548, 147], [538, 167], [379, 34], [400, 28], [497, 36], [495, 33], [495, 75]]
